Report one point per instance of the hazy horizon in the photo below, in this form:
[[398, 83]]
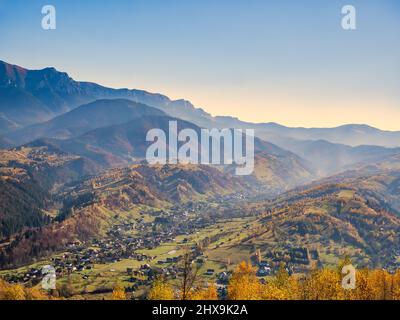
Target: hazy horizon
[[258, 61]]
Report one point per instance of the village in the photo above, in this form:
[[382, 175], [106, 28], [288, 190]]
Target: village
[[174, 226], [120, 244], [122, 241]]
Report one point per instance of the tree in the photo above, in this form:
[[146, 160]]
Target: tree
[[161, 290], [14, 292], [118, 292], [364, 289], [66, 290], [244, 284], [188, 276], [35, 294], [282, 277], [208, 293], [271, 291], [323, 284]]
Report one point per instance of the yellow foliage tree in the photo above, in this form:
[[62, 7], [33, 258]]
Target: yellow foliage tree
[[323, 284], [271, 291], [18, 292], [244, 284], [381, 284], [282, 277], [14, 292], [161, 291], [118, 292], [3, 286], [396, 286], [35, 294], [364, 289], [209, 293]]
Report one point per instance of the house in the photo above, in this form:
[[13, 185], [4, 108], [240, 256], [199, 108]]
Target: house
[[263, 271], [223, 277], [263, 263], [80, 268], [209, 272], [300, 256]]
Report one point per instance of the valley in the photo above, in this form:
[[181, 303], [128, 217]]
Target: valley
[[77, 193], [129, 225]]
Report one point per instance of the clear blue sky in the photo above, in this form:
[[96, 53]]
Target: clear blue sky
[[287, 61]]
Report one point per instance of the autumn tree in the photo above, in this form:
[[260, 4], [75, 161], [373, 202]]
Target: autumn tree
[[188, 276], [161, 290], [35, 294], [66, 290], [364, 287], [207, 293], [324, 284], [244, 284], [118, 292], [14, 292]]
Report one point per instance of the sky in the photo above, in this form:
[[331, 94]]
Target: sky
[[286, 61]]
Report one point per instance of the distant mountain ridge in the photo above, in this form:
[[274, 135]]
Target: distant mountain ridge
[[84, 118], [349, 134], [124, 144], [32, 96], [330, 158]]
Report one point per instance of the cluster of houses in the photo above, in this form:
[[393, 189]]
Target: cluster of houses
[[124, 240], [264, 269], [295, 260], [294, 255], [121, 242], [232, 197], [32, 275]]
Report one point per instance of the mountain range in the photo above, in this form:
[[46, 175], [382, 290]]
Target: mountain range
[[48, 104], [33, 96], [120, 145], [73, 154]]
